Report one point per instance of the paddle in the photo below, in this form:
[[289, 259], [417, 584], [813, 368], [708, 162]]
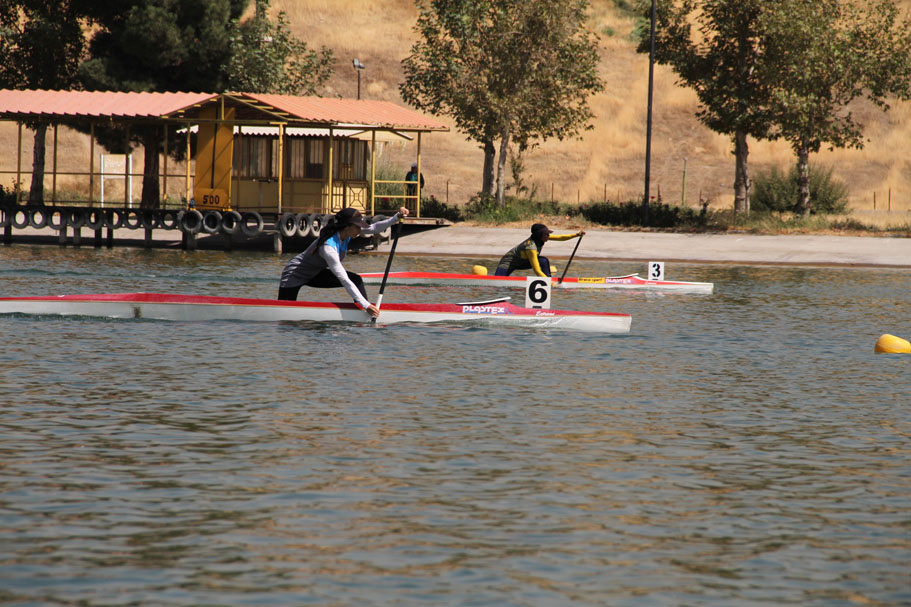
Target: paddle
[[566, 269], [396, 229]]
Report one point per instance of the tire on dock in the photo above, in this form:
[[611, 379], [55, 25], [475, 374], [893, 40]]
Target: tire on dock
[[211, 222], [94, 219], [191, 222], [169, 219], [287, 225], [230, 222], [303, 224], [37, 218], [248, 230]]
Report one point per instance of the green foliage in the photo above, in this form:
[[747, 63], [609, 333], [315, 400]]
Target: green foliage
[[41, 44], [660, 215], [7, 197], [504, 70], [431, 207], [778, 192], [267, 58], [151, 45], [485, 209]]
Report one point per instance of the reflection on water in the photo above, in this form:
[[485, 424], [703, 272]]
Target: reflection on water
[[739, 449]]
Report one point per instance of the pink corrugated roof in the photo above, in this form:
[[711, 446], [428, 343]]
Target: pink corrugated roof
[[364, 112], [101, 104], [96, 103]]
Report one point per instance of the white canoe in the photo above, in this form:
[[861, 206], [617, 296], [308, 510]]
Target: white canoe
[[629, 281], [161, 306]]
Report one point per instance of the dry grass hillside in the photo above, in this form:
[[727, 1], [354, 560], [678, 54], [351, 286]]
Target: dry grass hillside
[[611, 157], [609, 160]]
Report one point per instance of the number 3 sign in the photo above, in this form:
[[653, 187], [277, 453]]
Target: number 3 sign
[[656, 270], [537, 292]]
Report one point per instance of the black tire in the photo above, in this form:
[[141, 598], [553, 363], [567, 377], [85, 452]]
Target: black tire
[[191, 222], [287, 225], [94, 219], [37, 218], [75, 217], [113, 218], [168, 219], [230, 222], [257, 227], [316, 224], [148, 219], [132, 219], [61, 216], [303, 224], [14, 218], [211, 222]]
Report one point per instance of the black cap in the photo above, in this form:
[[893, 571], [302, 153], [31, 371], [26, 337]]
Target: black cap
[[350, 217], [540, 229]]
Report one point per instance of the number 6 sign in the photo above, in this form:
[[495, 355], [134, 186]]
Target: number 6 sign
[[537, 292]]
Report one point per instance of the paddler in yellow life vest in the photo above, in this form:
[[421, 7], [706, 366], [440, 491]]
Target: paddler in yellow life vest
[[527, 254]]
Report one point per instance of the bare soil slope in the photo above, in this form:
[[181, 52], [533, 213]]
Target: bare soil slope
[[611, 157]]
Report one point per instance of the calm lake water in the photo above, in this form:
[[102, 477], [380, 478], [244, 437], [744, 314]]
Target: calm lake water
[[745, 448]]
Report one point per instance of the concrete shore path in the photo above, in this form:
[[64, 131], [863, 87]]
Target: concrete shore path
[[791, 249], [472, 241]]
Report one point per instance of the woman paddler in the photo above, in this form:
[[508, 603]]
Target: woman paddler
[[321, 266], [527, 254]]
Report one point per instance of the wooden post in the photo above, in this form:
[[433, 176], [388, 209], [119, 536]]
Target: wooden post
[[164, 177], [19, 165], [874, 200], [91, 165], [372, 170], [417, 212], [281, 164], [54, 174]]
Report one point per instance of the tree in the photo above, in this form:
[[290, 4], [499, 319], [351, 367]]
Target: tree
[[715, 47], [822, 56], [41, 44], [268, 58], [785, 69], [504, 70], [157, 45]]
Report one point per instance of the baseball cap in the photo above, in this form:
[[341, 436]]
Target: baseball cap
[[350, 216], [540, 228]]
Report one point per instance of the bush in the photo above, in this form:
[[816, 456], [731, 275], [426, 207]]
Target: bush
[[660, 215], [7, 197], [484, 208], [777, 192], [431, 207]]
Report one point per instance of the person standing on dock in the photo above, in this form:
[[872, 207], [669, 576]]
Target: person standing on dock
[[412, 178], [320, 265], [527, 254]]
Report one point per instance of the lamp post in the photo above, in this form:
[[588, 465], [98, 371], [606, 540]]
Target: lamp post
[[648, 136], [358, 67]]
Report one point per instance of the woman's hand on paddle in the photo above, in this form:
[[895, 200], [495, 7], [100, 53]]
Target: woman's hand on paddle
[[581, 233], [373, 311], [403, 212]]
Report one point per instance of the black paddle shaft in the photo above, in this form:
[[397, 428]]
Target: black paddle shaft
[[566, 269], [396, 229]]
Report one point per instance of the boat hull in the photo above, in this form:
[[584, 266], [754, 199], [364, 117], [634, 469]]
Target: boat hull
[[159, 306], [629, 281]]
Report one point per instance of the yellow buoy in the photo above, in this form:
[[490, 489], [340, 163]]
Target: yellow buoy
[[479, 271], [889, 344]]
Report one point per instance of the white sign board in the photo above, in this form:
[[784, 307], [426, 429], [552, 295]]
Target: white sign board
[[656, 270], [537, 292]]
